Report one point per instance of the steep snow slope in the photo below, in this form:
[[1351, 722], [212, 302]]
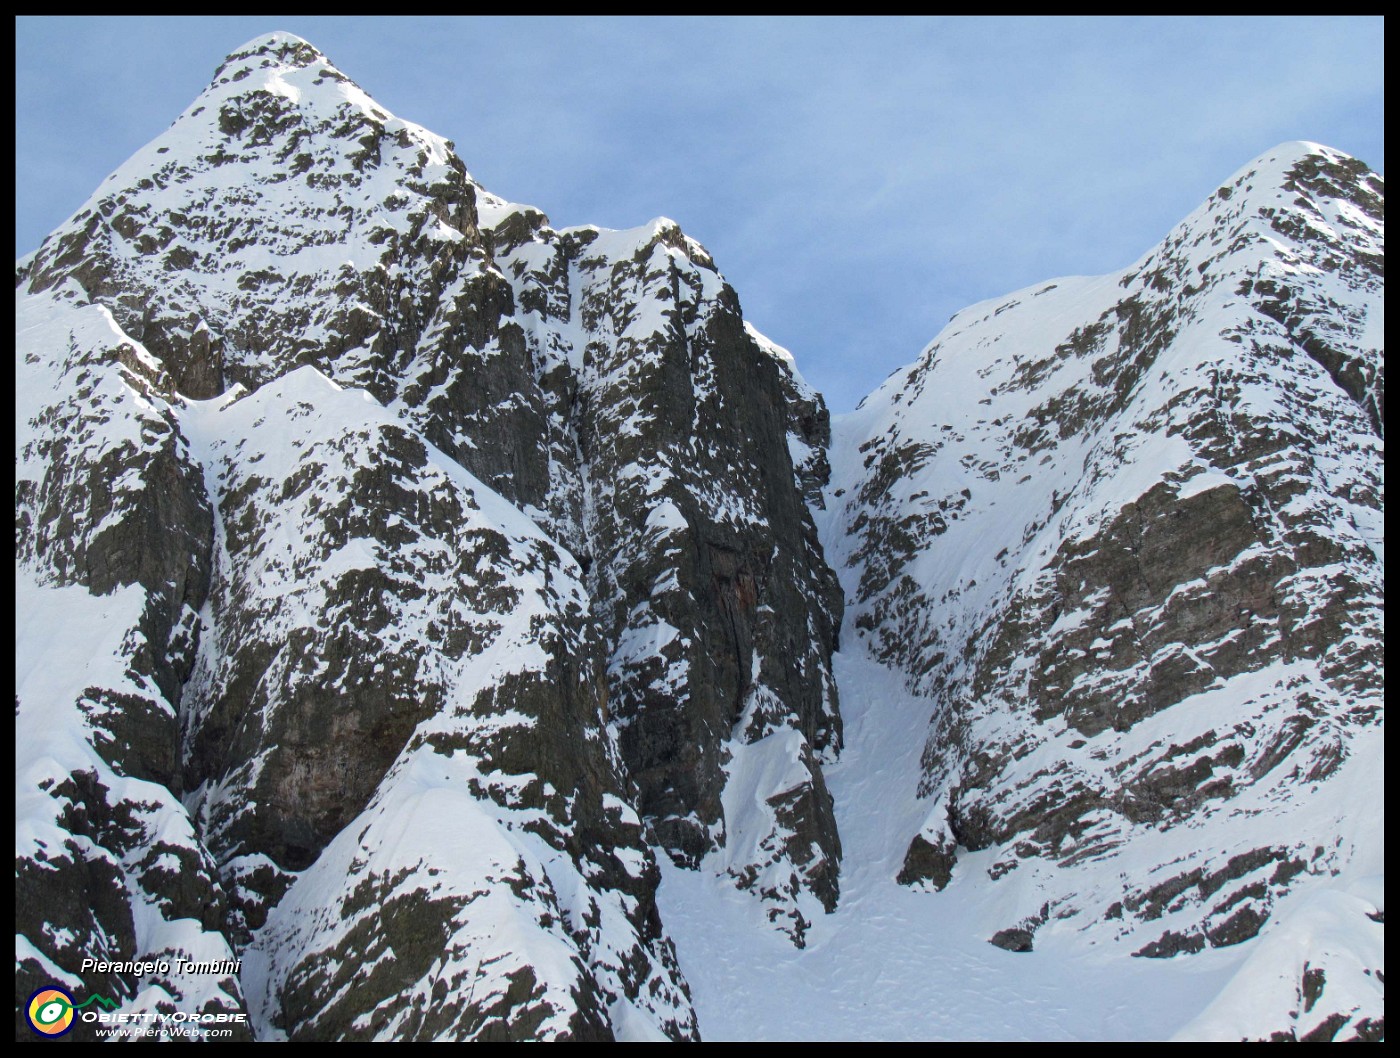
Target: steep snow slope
[[895, 963], [1125, 535], [1098, 830]]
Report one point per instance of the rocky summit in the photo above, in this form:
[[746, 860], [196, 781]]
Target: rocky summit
[[436, 625]]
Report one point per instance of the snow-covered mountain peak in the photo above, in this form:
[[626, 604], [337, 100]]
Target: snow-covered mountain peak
[[1298, 192], [1125, 534], [284, 65], [510, 512], [1288, 219], [406, 586], [278, 48], [270, 225], [271, 101]]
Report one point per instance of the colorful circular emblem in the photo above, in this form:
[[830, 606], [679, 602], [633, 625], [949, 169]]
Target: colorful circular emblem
[[51, 1011]]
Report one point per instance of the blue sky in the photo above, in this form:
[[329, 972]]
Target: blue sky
[[857, 181]]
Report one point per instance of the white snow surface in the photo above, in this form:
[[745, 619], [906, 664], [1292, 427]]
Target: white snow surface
[[897, 964], [900, 965]]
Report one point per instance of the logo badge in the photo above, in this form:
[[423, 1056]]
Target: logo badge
[[51, 1011]]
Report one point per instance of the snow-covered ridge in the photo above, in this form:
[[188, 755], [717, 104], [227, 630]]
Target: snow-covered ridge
[[1125, 534]]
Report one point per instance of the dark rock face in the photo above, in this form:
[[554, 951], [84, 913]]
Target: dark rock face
[[673, 482], [927, 862], [653, 433], [1013, 939], [108, 864], [1125, 534], [329, 602], [416, 586]]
